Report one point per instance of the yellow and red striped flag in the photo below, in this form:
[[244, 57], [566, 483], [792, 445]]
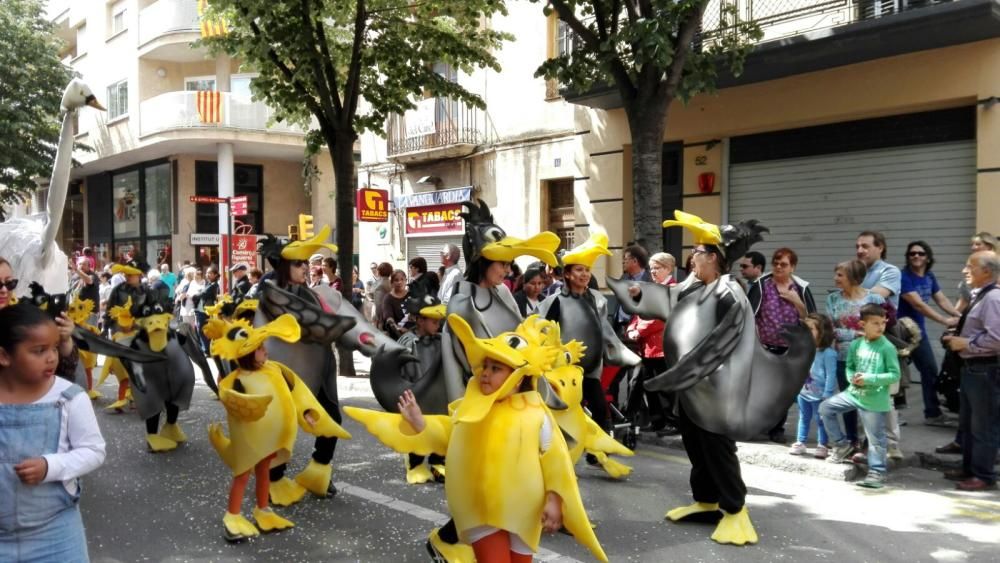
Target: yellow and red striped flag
[[209, 106], [210, 27]]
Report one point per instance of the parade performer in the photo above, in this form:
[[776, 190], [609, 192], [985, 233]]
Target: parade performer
[[133, 288], [80, 312], [264, 400], [226, 308], [582, 314], [124, 333], [325, 318], [729, 386], [509, 469]]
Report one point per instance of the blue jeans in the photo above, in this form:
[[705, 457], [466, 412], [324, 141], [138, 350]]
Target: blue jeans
[[850, 418], [979, 420], [926, 364], [808, 409], [874, 423]]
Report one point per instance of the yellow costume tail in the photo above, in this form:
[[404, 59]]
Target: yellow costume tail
[[397, 434]]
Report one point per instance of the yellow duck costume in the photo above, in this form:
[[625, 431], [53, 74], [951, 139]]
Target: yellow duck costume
[[566, 378], [263, 407], [498, 475], [122, 315], [79, 311]]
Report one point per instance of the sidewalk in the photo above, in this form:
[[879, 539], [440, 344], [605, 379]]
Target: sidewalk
[[917, 443]]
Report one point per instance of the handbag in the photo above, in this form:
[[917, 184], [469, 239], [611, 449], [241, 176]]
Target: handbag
[[950, 376]]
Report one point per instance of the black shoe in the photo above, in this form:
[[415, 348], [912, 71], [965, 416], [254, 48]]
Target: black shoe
[[949, 448], [668, 430], [956, 475]]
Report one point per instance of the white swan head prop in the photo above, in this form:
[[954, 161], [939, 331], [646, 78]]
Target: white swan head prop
[[29, 244]]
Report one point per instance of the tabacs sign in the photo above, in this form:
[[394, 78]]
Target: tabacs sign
[[373, 205], [434, 220]]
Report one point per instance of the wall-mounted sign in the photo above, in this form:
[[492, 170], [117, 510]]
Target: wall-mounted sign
[[373, 205], [238, 205], [433, 220], [420, 120], [205, 239], [439, 197], [245, 250]]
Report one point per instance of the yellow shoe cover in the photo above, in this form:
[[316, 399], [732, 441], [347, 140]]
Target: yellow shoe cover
[[419, 474], [438, 472], [158, 443], [94, 394], [315, 477], [683, 512], [735, 529], [117, 405], [173, 432], [268, 521], [238, 528], [611, 467], [450, 552], [285, 492]]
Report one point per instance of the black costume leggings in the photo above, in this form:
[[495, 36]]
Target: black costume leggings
[[324, 447], [153, 422], [715, 469], [596, 402], [433, 459]]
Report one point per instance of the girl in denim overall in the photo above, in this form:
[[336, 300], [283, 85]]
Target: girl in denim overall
[[48, 438]]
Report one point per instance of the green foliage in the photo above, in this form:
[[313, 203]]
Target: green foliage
[[317, 57], [647, 45], [31, 83]]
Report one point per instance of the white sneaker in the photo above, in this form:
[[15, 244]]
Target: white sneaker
[[798, 448]]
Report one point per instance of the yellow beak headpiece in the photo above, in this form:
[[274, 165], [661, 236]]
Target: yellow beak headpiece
[[234, 339], [588, 252], [704, 232], [215, 310], [303, 249], [434, 312], [122, 315], [542, 246], [126, 269], [245, 305]]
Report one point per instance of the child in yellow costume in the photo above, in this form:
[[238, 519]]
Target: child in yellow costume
[[263, 400], [79, 311], [122, 315], [509, 470]]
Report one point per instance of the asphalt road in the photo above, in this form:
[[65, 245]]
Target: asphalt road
[[168, 507]]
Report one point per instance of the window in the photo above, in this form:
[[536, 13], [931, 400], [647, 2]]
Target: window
[[118, 15], [239, 85], [158, 202], [118, 99], [125, 192], [564, 39], [81, 40], [561, 213], [141, 211]]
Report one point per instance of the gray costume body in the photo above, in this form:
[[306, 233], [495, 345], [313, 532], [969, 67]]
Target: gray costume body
[[585, 319], [170, 381], [726, 381]]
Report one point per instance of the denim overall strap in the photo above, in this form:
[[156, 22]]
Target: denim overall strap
[[28, 431]]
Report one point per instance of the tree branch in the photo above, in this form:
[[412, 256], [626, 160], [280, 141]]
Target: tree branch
[[681, 51], [329, 100], [631, 11], [354, 70], [331, 72], [615, 65]]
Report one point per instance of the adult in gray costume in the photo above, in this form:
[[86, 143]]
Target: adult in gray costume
[[729, 387]]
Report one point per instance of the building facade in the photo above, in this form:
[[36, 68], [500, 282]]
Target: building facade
[[180, 122]]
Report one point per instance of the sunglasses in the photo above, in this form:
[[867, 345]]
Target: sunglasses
[[700, 251], [10, 284], [745, 266], [916, 253]]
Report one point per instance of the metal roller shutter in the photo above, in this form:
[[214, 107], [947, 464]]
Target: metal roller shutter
[[430, 249], [817, 205]]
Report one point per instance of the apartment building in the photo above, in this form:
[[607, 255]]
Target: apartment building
[[518, 155], [850, 115], [161, 141]]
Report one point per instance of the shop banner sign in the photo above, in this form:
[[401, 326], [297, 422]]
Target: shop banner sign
[[373, 205], [434, 220]]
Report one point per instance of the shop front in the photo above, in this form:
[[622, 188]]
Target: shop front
[[430, 221]]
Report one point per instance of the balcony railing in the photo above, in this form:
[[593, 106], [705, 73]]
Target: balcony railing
[[179, 110], [779, 19], [436, 123], [167, 16]]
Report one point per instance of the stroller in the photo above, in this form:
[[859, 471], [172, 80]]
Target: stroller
[[625, 402]]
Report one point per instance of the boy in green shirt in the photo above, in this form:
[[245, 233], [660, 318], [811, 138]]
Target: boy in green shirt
[[872, 367]]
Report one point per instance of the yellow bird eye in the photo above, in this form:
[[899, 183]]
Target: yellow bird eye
[[517, 343]]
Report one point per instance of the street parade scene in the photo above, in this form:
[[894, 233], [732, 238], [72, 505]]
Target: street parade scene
[[457, 281]]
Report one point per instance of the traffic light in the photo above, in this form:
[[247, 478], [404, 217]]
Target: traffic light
[[293, 232], [305, 226]]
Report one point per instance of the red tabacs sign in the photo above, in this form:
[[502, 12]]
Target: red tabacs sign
[[373, 205], [434, 219]]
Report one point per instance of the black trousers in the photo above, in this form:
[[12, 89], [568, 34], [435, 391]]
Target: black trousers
[[715, 469], [324, 447], [662, 406], [596, 402]]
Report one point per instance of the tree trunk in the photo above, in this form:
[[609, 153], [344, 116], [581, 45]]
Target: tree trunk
[[647, 123], [346, 180]]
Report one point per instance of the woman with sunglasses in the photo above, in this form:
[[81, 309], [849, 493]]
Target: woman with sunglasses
[[68, 357], [919, 288]]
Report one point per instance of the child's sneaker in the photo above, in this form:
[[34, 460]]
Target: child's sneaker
[[874, 480], [798, 448], [895, 453], [841, 453], [822, 452]]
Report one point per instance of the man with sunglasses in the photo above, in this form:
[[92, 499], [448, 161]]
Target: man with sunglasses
[[752, 267]]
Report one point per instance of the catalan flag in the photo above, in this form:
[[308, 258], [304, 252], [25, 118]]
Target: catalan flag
[[210, 27], [209, 106]]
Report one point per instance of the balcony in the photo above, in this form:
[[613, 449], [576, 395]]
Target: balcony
[[809, 35], [438, 128], [179, 111], [167, 28]]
